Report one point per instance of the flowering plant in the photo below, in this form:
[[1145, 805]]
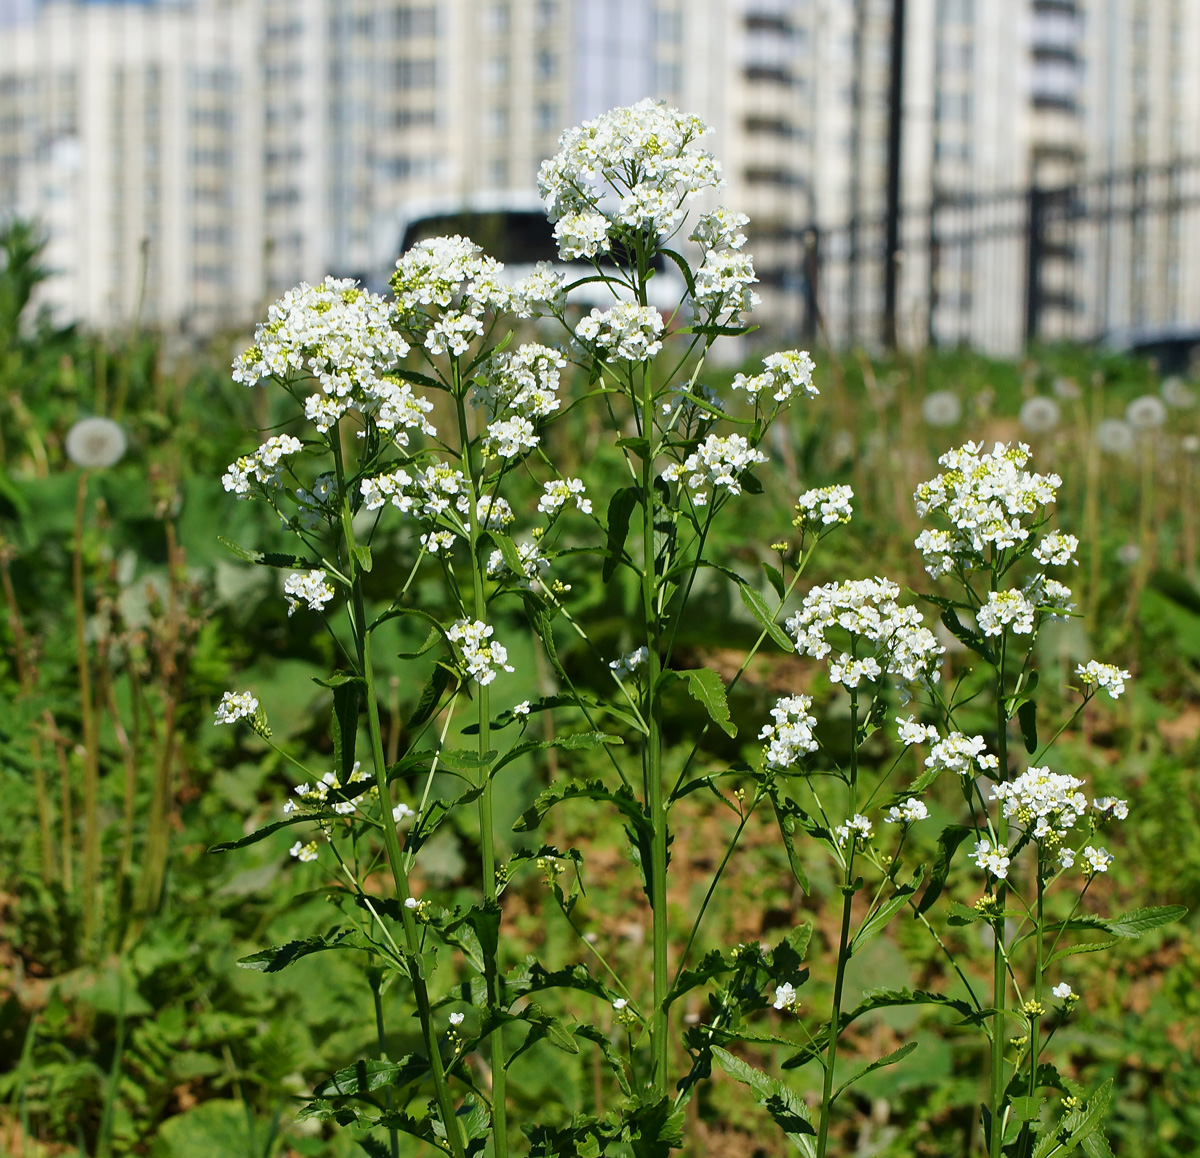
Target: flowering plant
[[418, 411]]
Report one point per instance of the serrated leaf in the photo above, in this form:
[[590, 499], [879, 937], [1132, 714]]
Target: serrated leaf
[[706, 686], [1138, 921], [1088, 947], [878, 1064], [879, 919], [620, 507], [268, 829], [1026, 1108], [571, 742], [757, 606], [786, 1107], [369, 1074], [267, 558], [580, 790], [948, 841], [1027, 717], [281, 956]]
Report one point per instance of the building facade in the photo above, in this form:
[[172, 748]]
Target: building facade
[[192, 159]]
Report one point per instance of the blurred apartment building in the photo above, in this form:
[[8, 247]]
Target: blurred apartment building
[[192, 159]]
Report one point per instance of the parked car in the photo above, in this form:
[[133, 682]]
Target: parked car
[[1176, 347]]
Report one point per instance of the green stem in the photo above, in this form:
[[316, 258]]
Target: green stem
[[374, 976], [999, 966], [391, 839], [487, 837], [843, 960]]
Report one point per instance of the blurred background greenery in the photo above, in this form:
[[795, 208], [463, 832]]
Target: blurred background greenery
[[126, 1026]]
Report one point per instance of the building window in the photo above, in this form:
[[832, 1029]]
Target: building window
[[498, 69], [498, 121], [667, 77], [545, 15], [498, 172], [668, 27], [545, 117], [412, 22], [778, 177], [769, 127], [545, 65], [499, 18], [408, 75], [768, 22], [768, 74]]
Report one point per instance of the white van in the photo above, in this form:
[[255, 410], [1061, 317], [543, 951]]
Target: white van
[[514, 229]]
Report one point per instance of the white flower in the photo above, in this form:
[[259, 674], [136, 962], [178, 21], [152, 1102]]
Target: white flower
[[581, 235], [723, 282], [1098, 860], [1065, 388], [825, 505], [310, 588], [264, 466], [483, 658], [438, 542], [386, 488], [720, 229], [533, 565], [524, 382], [965, 755], [1039, 415], [236, 706], [619, 1004], [1175, 393], [719, 462], [453, 332], [911, 810], [1056, 550], [402, 813], [851, 672], [992, 858], [630, 661], [941, 408], [304, 852], [785, 996], [1063, 991], [411, 903], [1103, 675], [95, 442], [1066, 857], [791, 736], [456, 1018], [1111, 804], [1004, 608], [493, 512], [540, 292], [913, 733], [627, 331], [556, 493], [522, 709], [1046, 804], [791, 370], [1146, 413], [858, 825], [510, 438]]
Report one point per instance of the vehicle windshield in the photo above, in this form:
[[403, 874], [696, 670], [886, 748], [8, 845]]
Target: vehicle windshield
[[515, 237]]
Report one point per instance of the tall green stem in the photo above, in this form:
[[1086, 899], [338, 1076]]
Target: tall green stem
[[391, 839], [835, 1015], [999, 963], [487, 838]]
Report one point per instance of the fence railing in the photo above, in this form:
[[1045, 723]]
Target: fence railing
[[1111, 251]]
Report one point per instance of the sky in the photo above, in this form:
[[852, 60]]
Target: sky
[[11, 10]]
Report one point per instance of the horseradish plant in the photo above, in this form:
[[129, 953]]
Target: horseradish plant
[[422, 411]]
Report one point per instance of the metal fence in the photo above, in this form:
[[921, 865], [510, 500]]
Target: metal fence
[[1110, 252]]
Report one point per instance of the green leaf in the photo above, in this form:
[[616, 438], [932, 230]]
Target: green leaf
[[1087, 947], [886, 911], [785, 814], [785, 1106], [707, 687], [1027, 716], [623, 798], [483, 923], [281, 956], [267, 829], [572, 742], [948, 841], [620, 507], [1138, 921], [757, 606], [604, 1043], [654, 1128], [774, 578], [431, 696], [639, 446], [1076, 1126], [973, 639], [684, 269], [878, 1064], [369, 1074], [362, 557], [268, 558], [345, 728], [533, 977], [1027, 1108], [432, 815]]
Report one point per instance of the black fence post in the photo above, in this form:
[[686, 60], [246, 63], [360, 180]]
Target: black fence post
[[891, 243], [1035, 253]]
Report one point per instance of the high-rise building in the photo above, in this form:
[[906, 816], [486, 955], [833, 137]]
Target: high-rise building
[[192, 159]]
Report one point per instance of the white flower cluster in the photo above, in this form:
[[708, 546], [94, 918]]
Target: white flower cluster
[[720, 229], [1111, 804], [992, 858], [785, 373], [1005, 608], [510, 438], [791, 736], [911, 810], [1050, 597], [858, 825], [1097, 860], [684, 403], [494, 513], [309, 588], [386, 488], [1103, 675], [627, 331], [627, 664], [785, 996], [912, 732], [483, 656], [1045, 803], [264, 466], [723, 283], [824, 505], [442, 270], [962, 754], [236, 706], [644, 155], [720, 461], [1056, 550], [524, 382], [438, 491], [304, 852], [867, 610], [316, 796], [984, 497], [555, 494], [533, 565]]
